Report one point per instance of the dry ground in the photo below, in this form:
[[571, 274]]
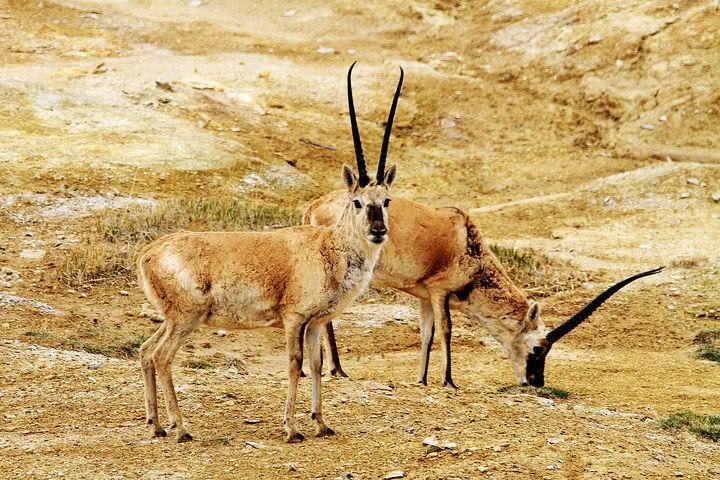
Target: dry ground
[[585, 130]]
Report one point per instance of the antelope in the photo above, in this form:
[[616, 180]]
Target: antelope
[[297, 278], [439, 256]]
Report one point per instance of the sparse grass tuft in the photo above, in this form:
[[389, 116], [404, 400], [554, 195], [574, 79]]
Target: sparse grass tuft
[[198, 364], [109, 252], [40, 335], [706, 426], [536, 272], [545, 392], [709, 344]]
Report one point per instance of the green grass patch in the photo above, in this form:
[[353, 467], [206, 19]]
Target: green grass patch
[[39, 334], [709, 344], [545, 392], [706, 426], [109, 251]]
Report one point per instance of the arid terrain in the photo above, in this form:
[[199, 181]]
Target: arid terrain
[[581, 136]]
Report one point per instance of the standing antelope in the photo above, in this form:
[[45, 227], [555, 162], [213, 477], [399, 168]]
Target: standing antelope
[[438, 256], [298, 278]]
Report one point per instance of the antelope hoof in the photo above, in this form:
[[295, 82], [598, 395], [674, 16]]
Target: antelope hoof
[[302, 374], [294, 437], [156, 430], [338, 372], [183, 437], [422, 382], [449, 383], [325, 431]]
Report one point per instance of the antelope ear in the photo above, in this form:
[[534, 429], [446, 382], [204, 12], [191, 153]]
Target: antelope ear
[[390, 176], [533, 314], [349, 178]]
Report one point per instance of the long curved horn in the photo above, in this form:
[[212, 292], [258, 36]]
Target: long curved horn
[[388, 128], [363, 178], [567, 327]]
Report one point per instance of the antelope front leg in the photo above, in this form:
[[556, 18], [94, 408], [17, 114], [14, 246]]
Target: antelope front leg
[[427, 332], [331, 347], [148, 369], [315, 351], [441, 310], [294, 336]]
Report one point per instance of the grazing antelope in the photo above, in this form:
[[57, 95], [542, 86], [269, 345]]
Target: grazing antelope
[[439, 256], [297, 278]]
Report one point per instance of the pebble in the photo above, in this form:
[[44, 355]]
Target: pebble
[[663, 118], [693, 181], [289, 13], [483, 469], [32, 254], [593, 39], [325, 50], [250, 444], [554, 466], [647, 126], [221, 333], [5, 325], [684, 195], [554, 441], [265, 74], [447, 123], [715, 196], [394, 474], [124, 293]]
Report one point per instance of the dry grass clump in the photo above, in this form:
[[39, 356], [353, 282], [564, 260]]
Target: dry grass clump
[[545, 392], [109, 251], [536, 273]]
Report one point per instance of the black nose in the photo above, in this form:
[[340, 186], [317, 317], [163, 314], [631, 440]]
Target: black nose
[[378, 231]]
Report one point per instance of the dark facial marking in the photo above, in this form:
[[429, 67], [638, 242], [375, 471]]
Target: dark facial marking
[[357, 203], [376, 220], [535, 370]]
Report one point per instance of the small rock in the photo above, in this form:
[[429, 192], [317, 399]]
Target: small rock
[[593, 39], [289, 13], [483, 469], [256, 445], [663, 118], [684, 195], [447, 123], [9, 277], [679, 474], [554, 466], [325, 50], [588, 286], [554, 441], [497, 449], [164, 86], [252, 421], [292, 467], [32, 254], [5, 325], [394, 474], [221, 333], [196, 3], [715, 196], [264, 74], [432, 444], [693, 181], [647, 126], [124, 293]]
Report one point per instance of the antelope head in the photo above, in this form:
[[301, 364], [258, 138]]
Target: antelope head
[[368, 199], [530, 348]]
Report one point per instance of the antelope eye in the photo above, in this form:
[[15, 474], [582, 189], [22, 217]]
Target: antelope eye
[[386, 203], [357, 203]]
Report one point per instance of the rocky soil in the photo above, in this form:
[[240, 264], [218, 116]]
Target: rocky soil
[[584, 130]]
